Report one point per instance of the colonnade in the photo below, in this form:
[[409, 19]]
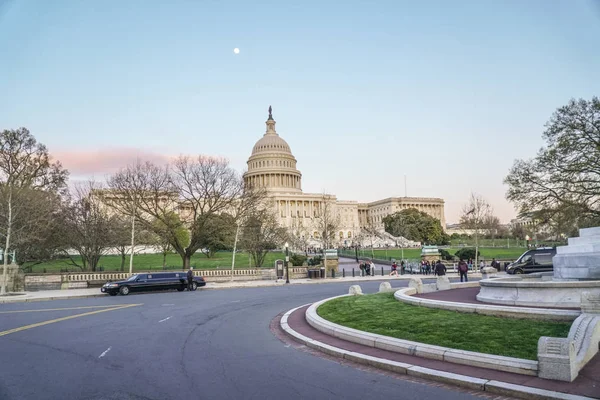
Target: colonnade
[[275, 180]]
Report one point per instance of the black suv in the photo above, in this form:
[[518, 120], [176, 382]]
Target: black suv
[[152, 281], [535, 260]]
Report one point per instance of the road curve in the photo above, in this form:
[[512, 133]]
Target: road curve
[[203, 345]]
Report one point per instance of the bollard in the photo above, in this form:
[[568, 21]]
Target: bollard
[[381, 271], [353, 272], [343, 273]]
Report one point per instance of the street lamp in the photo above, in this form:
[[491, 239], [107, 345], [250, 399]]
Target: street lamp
[[287, 263]]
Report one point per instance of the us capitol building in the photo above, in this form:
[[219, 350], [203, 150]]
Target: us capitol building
[[273, 166]]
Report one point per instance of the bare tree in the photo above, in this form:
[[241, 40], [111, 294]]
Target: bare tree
[[24, 165], [476, 214], [298, 235], [261, 233], [327, 222], [192, 187], [90, 225]]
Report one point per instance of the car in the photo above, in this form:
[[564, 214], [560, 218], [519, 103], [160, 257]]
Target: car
[[152, 281], [535, 260]]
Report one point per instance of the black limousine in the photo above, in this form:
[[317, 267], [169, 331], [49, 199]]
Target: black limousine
[[152, 281]]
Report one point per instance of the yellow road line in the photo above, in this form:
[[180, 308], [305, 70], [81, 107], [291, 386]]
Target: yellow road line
[[22, 328], [55, 309]]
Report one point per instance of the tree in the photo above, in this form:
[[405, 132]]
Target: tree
[[162, 231], [260, 234], [417, 226], [564, 177], [192, 187], [298, 235], [91, 227], [476, 215], [217, 233], [327, 222], [24, 165], [38, 232]]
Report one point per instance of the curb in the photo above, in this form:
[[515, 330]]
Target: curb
[[402, 346], [484, 385]]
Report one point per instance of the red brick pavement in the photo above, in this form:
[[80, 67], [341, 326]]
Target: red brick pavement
[[467, 295], [586, 384]]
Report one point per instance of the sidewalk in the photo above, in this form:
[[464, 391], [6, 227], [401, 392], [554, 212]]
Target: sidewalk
[[44, 295], [587, 384]]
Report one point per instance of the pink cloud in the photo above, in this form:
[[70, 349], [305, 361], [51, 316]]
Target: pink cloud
[[105, 161]]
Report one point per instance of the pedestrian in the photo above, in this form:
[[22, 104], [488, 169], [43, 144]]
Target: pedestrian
[[495, 264], [463, 269], [362, 268], [402, 267], [190, 278], [440, 268], [470, 264], [371, 268], [481, 265], [394, 269]]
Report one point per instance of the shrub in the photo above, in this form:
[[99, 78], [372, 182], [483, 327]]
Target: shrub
[[297, 260], [314, 261], [466, 252], [446, 255]]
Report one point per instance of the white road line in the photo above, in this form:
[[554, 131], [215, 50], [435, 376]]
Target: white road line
[[168, 305], [104, 352], [236, 301], [163, 320]]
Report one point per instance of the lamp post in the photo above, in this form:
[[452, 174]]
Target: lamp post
[[287, 263]]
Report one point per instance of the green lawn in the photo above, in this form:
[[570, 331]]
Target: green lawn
[[147, 262], [382, 314], [486, 252]]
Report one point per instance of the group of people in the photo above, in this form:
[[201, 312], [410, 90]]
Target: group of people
[[366, 267]]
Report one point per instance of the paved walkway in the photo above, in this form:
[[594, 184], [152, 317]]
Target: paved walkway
[[587, 383]]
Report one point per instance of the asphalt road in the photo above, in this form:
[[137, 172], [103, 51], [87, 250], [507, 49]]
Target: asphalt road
[[213, 344]]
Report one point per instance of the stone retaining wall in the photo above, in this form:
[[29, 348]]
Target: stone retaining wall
[[34, 282]]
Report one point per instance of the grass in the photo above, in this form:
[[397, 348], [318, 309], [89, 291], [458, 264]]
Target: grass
[[486, 252], [148, 262], [384, 315]]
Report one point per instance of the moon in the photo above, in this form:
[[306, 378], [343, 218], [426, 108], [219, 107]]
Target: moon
[[236, 50]]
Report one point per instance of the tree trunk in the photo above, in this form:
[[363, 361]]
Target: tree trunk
[[186, 261], [164, 260], [7, 243], [123, 257]]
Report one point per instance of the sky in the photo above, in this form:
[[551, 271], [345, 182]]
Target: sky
[[446, 93]]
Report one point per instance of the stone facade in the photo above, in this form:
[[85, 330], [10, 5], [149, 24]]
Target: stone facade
[[273, 166]]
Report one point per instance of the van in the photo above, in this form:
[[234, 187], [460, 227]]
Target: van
[[535, 260]]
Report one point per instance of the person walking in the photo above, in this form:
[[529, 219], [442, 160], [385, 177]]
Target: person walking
[[440, 268], [463, 269], [394, 269], [190, 278], [371, 269], [402, 266]]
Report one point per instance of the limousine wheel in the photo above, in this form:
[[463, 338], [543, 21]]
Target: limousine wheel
[[194, 286], [124, 290], [518, 271]]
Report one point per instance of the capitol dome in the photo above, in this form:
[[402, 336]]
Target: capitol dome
[[272, 164]]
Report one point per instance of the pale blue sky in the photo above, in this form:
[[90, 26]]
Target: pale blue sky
[[447, 92]]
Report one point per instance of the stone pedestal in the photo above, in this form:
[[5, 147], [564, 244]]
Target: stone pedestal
[[14, 279], [442, 283], [580, 260]]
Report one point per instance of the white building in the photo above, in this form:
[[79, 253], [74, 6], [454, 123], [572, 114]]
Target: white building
[[273, 166]]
